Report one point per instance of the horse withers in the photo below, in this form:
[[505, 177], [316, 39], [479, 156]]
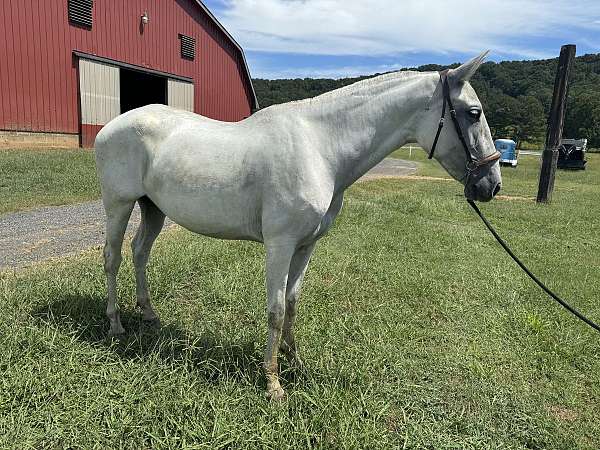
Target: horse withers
[[277, 177]]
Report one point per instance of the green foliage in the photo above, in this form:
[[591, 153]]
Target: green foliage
[[583, 116], [271, 92], [516, 96]]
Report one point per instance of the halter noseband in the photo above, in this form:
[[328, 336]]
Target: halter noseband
[[472, 162]]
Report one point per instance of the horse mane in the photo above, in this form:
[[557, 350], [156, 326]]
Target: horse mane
[[367, 87]]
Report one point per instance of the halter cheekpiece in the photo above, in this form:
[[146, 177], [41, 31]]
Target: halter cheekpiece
[[472, 162]]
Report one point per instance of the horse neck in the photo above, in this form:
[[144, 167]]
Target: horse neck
[[363, 123]]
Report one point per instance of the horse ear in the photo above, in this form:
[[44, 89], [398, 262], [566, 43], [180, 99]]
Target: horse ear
[[468, 69]]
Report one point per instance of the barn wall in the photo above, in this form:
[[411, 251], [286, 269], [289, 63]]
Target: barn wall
[[39, 74]]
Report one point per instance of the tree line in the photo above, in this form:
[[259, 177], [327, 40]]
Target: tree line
[[516, 96]]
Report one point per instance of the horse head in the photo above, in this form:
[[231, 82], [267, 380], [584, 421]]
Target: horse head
[[463, 144]]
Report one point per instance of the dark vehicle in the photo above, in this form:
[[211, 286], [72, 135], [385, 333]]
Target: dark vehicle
[[571, 154]]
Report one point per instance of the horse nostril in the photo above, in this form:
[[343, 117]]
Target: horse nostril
[[497, 189]]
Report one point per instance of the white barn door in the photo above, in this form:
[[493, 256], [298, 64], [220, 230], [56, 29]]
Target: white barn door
[[99, 90], [180, 94]]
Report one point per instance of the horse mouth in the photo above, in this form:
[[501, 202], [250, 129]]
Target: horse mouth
[[481, 195]]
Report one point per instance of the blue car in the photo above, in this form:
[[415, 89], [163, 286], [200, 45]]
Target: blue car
[[508, 149]]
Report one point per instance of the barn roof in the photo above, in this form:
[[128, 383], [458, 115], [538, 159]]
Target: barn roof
[[234, 42]]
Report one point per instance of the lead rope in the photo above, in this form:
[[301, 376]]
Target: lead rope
[[528, 272]]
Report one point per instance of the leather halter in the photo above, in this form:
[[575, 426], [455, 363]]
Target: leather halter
[[473, 164]]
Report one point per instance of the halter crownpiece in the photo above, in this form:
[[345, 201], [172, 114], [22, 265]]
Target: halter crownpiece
[[472, 162]]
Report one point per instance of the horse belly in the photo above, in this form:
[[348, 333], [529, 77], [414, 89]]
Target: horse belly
[[222, 212], [230, 220]]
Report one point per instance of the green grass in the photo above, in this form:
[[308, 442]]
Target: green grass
[[416, 329], [32, 178]]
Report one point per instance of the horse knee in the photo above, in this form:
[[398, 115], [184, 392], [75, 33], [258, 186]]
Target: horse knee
[[112, 312], [112, 260], [276, 316], [137, 250], [291, 301]]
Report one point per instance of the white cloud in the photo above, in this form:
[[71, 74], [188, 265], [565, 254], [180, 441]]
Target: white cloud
[[384, 27]]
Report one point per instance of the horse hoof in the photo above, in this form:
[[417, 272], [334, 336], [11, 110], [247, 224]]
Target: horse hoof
[[116, 333], [153, 322], [275, 394]]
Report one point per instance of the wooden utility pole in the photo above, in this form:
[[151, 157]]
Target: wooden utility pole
[[555, 124]]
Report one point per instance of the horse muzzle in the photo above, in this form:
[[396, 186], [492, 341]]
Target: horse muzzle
[[483, 190]]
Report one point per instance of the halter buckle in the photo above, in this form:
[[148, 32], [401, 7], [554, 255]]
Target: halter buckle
[[472, 166]]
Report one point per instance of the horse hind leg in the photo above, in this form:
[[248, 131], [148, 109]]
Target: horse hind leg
[[297, 271], [150, 226], [117, 216]]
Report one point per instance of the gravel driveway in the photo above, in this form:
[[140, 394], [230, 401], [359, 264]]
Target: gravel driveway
[[39, 234]]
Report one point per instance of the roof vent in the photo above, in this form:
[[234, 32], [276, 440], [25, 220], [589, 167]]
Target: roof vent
[[188, 46], [80, 12]]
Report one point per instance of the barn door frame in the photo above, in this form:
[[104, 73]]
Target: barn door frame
[[180, 94], [99, 97]]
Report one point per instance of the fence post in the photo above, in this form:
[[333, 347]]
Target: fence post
[[555, 124]]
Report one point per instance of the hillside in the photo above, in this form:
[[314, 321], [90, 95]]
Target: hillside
[[516, 96]]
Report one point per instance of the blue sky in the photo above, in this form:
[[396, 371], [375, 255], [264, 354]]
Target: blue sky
[[337, 38]]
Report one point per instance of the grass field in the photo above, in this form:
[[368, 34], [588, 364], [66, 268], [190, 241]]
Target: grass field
[[416, 330], [30, 178]]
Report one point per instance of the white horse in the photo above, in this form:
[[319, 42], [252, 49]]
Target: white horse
[[277, 177]]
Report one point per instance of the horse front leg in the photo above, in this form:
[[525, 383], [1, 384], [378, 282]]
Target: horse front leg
[[279, 256], [298, 268]]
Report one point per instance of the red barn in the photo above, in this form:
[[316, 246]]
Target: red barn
[[67, 67]]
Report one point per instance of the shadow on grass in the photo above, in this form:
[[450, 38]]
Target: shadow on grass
[[210, 354]]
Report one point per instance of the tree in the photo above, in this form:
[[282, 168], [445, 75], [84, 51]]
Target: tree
[[583, 118], [529, 120]]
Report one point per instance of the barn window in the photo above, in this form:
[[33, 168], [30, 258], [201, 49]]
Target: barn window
[[188, 46], [80, 12]]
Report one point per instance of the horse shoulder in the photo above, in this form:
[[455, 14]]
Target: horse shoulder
[[297, 195]]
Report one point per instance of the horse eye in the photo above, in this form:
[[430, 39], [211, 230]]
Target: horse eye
[[475, 113]]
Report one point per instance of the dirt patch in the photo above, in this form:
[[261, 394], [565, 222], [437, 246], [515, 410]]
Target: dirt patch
[[378, 176], [514, 197], [562, 413], [423, 177], [41, 234]]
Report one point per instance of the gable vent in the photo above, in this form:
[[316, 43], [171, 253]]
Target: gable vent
[[188, 46], [80, 12]]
